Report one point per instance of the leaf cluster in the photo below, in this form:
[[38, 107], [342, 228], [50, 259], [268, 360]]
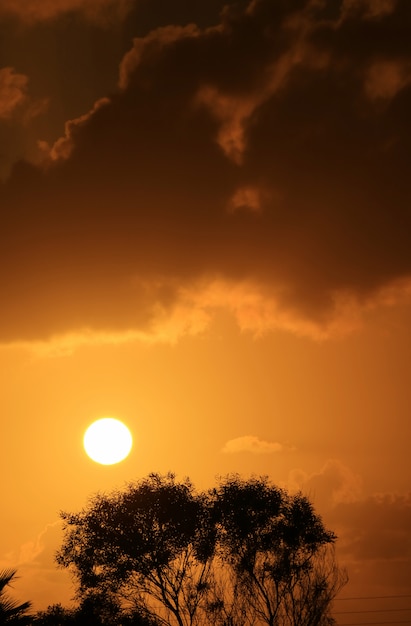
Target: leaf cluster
[[11, 612]]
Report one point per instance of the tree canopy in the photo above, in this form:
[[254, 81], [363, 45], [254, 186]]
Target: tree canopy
[[245, 552]]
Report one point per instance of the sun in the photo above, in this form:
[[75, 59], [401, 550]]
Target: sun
[[107, 441]]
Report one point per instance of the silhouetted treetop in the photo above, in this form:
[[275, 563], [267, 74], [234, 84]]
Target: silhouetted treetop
[[242, 552]]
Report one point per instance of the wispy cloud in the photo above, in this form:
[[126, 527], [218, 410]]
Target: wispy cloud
[[37, 571], [14, 97], [253, 444]]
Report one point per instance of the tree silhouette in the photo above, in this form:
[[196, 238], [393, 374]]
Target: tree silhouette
[[10, 611], [151, 545], [242, 553], [55, 615], [93, 611], [279, 552]]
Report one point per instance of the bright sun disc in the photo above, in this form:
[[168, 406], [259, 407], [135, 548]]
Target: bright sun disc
[[107, 441]]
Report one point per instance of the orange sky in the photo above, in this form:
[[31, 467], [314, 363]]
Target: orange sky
[[205, 232]]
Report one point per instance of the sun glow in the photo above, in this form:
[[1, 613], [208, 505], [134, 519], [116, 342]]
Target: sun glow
[[107, 441]]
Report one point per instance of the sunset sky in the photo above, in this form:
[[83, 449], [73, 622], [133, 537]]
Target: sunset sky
[[205, 232]]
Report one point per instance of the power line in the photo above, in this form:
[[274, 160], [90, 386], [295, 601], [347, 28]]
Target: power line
[[387, 623], [374, 623], [372, 597], [372, 611]]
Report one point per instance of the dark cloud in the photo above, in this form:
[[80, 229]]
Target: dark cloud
[[269, 150], [376, 528], [18, 109], [37, 10], [373, 531]]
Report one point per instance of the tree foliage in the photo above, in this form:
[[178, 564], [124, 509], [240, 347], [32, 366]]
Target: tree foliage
[[279, 550], [245, 552], [11, 612], [93, 611], [151, 545]]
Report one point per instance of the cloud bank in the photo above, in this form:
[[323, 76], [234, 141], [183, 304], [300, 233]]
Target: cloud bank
[[260, 164]]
